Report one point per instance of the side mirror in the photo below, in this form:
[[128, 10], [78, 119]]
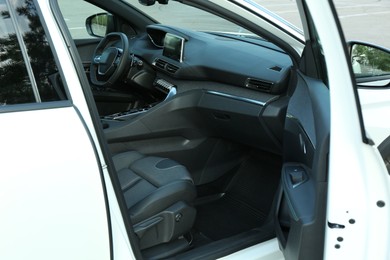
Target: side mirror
[[369, 62], [99, 24]]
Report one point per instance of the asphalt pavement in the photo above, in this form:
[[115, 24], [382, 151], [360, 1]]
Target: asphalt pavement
[[365, 20]]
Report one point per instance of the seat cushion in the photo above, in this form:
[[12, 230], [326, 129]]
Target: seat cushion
[[151, 184]]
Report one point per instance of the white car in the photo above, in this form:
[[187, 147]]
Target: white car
[[190, 130]]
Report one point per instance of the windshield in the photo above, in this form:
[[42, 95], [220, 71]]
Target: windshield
[[184, 16]]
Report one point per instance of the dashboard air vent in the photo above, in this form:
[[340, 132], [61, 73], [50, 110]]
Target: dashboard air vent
[[258, 84], [171, 68], [164, 65], [160, 63]]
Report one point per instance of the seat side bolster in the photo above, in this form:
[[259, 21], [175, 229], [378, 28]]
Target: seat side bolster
[[161, 199], [124, 160], [160, 171]]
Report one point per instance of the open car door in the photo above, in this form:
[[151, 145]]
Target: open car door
[[334, 184]]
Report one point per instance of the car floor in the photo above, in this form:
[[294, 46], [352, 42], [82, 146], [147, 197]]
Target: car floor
[[239, 201], [233, 212]]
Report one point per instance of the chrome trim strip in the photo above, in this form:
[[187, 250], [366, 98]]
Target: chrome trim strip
[[172, 92], [377, 83], [124, 115], [252, 101]]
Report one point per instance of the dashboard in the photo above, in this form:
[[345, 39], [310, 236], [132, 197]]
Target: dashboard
[[208, 84], [239, 61]]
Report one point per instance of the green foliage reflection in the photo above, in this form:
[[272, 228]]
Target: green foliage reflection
[[368, 61]]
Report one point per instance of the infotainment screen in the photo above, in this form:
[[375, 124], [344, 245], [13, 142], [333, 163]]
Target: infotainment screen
[[173, 47]]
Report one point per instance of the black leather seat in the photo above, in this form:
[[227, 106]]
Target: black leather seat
[[158, 193]]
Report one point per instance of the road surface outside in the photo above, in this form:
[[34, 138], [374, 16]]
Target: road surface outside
[[365, 20]]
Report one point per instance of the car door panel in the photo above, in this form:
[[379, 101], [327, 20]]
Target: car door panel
[[304, 173], [50, 167]]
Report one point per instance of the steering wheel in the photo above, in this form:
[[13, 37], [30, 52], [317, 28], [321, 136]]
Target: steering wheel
[[110, 59]]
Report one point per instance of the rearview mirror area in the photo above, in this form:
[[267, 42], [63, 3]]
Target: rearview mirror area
[[99, 25], [369, 61], [152, 2]]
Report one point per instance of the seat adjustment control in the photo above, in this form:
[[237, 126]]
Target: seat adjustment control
[[297, 175]]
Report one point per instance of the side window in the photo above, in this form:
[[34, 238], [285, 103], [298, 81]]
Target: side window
[[75, 17], [28, 72]]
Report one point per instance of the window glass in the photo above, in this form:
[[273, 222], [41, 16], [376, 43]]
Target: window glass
[[25, 49], [15, 84], [184, 16], [363, 20], [75, 17], [286, 9]]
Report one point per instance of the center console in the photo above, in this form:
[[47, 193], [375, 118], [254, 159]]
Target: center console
[[168, 89]]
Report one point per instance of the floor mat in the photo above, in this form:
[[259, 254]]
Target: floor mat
[[247, 200]]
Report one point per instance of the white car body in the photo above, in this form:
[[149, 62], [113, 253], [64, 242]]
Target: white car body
[[55, 188], [71, 216], [375, 107]]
